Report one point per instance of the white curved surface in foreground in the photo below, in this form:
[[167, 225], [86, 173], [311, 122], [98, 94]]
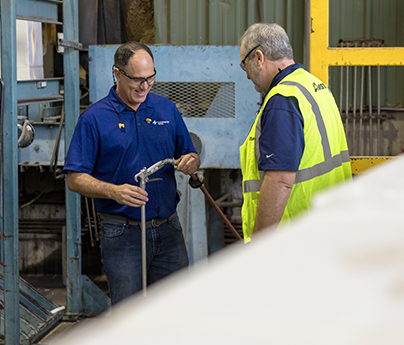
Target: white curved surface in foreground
[[335, 276]]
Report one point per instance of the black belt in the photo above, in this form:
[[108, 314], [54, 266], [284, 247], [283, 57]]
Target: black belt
[[155, 222]]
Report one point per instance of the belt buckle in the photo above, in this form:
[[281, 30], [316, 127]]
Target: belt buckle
[[153, 223]]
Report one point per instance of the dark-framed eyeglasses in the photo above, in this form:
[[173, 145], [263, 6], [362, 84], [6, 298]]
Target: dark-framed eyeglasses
[[138, 80], [242, 63]]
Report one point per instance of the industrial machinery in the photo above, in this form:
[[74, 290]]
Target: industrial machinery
[[218, 105], [47, 228], [35, 132]]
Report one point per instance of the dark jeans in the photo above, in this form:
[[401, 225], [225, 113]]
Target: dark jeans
[[121, 255]]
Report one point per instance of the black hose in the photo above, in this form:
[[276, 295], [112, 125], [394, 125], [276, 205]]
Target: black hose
[[54, 160]]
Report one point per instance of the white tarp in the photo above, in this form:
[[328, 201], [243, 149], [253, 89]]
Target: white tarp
[[29, 50]]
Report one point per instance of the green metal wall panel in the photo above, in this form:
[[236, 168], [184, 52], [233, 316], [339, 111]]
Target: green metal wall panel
[[214, 22], [370, 19]]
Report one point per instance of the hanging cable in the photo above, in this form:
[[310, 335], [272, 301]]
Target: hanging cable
[[54, 159]]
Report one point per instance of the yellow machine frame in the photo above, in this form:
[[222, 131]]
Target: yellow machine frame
[[322, 57]]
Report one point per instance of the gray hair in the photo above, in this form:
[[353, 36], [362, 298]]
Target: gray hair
[[272, 39], [127, 50]]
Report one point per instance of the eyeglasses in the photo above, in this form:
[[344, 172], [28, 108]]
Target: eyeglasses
[[242, 63], [138, 80]]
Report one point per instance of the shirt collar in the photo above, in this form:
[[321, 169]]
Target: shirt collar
[[283, 73], [115, 100]]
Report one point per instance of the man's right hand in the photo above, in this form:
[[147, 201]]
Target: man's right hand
[[127, 194], [91, 187]]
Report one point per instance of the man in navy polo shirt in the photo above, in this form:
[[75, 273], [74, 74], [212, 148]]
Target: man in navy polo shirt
[[114, 139], [297, 145]]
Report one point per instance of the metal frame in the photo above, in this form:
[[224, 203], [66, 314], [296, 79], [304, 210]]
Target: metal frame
[[360, 164], [77, 297], [72, 111], [322, 56], [10, 173]]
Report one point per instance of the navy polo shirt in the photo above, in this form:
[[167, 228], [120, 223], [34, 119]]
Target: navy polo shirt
[[282, 135], [154, 132]]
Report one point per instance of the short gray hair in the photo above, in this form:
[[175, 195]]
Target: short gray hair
[[272, 39]]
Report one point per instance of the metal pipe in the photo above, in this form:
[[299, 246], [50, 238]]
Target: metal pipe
[[341, 90], [222, 198], [354, 149], [347, 104], [143, 227], [90, 228], [97, 237], [370, 113], [219, 211], [306, 39], [361, 111], [143, 175], [379, 146]]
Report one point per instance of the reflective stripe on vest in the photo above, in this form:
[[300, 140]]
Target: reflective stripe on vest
[[305, 174], [253, 185], [322, 168]]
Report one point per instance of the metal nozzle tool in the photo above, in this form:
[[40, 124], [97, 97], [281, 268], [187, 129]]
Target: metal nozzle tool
[[146, 172], [143, 175]]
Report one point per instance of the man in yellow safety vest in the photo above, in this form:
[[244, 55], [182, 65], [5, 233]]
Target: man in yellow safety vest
[[297, 145]]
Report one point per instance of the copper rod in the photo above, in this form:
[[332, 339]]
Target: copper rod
[[218, 210]]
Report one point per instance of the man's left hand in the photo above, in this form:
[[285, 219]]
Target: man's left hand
[[188, 163]]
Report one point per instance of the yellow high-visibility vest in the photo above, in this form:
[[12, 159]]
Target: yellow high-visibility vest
[[325, 161]]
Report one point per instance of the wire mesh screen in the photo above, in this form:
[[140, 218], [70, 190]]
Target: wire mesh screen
[[199, 99]]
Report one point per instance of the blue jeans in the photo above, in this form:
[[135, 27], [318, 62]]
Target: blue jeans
[[121, 255]]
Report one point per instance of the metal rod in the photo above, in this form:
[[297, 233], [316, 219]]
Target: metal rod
[[97, 236], [341, 90], [347, 104], [361, 111], [90, 228], [379, 144], [370, 113], [143, 176], [218, 210], [354, 149], [222, 198], [143, 226]]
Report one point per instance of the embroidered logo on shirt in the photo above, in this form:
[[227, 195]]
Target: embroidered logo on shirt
[[148, 120], [269, 156], [160, 123]]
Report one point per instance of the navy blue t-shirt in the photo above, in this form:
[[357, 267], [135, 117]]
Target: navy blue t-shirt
[[154, 132], [282, 135]]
